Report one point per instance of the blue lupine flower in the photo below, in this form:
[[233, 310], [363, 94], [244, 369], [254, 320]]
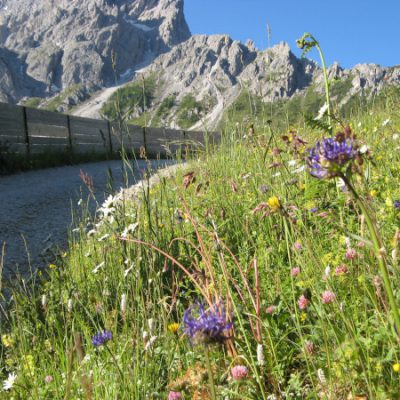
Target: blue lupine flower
[[205, 326], [100, 338], [329, 157]]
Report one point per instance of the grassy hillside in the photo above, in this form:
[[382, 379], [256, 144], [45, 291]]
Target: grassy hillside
[[285, 114], [131, 101], [295, 301]]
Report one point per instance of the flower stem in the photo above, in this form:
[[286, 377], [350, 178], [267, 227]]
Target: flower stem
[[378, 247], [210, 374], [115, 362], [326, 81]]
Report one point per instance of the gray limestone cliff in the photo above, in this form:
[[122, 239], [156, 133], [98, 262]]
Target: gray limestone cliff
[[47, 46]]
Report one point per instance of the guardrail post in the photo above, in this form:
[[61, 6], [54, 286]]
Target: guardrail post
[[109, 136], [69, 133], [26, 131]]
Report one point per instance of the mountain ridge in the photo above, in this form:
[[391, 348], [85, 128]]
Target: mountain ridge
[[66, 56]]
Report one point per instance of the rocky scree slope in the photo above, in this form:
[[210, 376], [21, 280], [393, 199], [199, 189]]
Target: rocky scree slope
[[47, 46]]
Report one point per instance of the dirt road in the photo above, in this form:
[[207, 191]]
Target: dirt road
[[35, 208]]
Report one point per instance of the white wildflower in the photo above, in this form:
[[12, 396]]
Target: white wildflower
[[80, 202], [86, 359], [69, 305], [108, 207], [260, 355], [44, 301], [321, 112], [298, 170], [340, 183], [129, 230], [395, 136], [276, 175], [364, 149], [99, 224], [150, 322], [9, 382], [92, 232], [272, 397], [292, 163], [321, 376], [104, 237], [327, 271], [385, 122], [126, 272], [150, 343], [359, 124], [123, 303], [96, 269]]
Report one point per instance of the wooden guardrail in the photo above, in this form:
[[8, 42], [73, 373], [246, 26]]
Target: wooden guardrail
[[28, 131]]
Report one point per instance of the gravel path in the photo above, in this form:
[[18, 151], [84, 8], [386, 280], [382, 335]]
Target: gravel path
[[36, 206]]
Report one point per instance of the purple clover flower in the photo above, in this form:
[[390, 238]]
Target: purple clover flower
[[100, 338], [396, 204], [205, 326], [329, 156]]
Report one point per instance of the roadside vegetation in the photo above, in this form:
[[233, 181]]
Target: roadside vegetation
[[266, 268]]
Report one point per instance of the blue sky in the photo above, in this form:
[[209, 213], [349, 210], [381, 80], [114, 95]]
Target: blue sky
[[349, 31]]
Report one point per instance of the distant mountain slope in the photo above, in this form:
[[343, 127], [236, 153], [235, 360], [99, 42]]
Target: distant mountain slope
[[199, 79], [47, 46], [84, 56]]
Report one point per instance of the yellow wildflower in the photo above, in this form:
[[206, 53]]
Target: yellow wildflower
[[28, 364], [274, 203], [47, 345], [310, 204], [173, 328], [396, 367], [373, 193], [52, 266], [7, 340], [303, 316]]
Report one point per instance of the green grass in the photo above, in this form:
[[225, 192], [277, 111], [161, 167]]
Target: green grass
[[219, 235], [33, 102], [131, 101], [54, 103], [163, 111]]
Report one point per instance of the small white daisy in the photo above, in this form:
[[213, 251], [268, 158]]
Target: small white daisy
[[9, 382]]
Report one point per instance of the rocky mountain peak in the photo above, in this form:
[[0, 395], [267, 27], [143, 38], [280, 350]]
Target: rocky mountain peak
[[64, 43]]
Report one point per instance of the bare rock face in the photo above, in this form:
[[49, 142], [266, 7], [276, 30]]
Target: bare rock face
[[218, 67], [78, 47], [92, 43]]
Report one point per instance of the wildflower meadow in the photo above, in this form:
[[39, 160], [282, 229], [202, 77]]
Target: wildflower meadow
[[264, 268]]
